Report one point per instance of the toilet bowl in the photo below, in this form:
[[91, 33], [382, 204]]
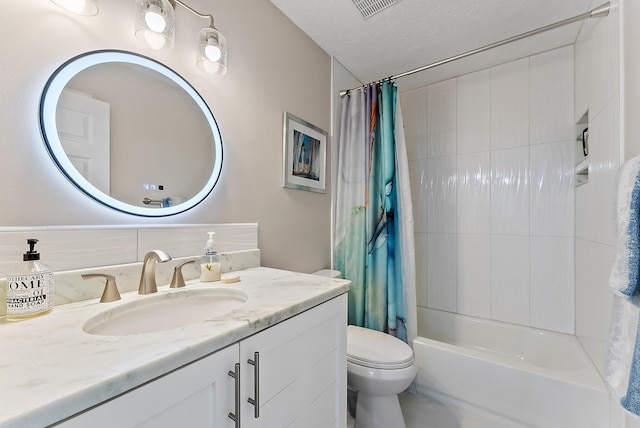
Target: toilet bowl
[[379, 367]]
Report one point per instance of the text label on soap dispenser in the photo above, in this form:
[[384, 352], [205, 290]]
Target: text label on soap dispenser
[[29, 294]]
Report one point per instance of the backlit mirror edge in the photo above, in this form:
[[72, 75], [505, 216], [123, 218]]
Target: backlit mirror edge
[[48, 129]]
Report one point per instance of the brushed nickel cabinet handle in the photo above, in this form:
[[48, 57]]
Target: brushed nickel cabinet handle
[[236, 375], [256, 384]]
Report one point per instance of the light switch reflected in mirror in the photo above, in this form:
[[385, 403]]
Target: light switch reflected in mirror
[[131, 133]]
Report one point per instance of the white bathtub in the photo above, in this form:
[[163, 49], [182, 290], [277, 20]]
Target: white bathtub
[[522, 376]]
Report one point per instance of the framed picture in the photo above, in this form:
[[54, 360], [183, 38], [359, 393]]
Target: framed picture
[[305, 155]]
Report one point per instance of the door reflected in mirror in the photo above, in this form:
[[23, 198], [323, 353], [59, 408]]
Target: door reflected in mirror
[[131, 133]]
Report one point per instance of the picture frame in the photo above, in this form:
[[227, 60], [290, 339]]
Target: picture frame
[[304, 155]]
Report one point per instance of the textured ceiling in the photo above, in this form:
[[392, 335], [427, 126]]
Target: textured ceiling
[[413, 33]]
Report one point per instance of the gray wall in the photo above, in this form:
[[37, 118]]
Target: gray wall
[[273, 68]]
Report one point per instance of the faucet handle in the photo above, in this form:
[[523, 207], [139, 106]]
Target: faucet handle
[[110, 293], [177, 281]]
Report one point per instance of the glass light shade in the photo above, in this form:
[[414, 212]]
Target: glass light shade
[[156, 23], [212, 52], [79, 7]]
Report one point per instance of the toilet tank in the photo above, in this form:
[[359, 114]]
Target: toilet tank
[[329, 273]]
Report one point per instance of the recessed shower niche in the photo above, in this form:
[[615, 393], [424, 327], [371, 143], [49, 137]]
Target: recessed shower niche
[[581, 150]]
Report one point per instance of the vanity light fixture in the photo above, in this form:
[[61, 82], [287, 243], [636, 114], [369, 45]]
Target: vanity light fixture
[[212, 51], [155, 25], [80, 7]]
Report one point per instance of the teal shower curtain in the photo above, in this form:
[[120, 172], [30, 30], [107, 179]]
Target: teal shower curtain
[[374, 224]]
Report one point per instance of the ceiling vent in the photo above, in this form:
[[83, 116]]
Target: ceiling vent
[[368, 8]]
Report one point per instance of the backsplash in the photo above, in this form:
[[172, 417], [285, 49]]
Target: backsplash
[[69, 286], [68, 248], [119, 251]]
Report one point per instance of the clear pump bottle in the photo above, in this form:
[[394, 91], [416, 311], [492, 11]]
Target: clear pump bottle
[[210, 261], [29, 287]]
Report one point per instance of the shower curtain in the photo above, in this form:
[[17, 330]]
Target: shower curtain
[[374, 246]]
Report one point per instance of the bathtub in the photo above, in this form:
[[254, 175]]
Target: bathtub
[[520, 376]]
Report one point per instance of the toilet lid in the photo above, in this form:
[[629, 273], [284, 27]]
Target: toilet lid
[[375, 349]]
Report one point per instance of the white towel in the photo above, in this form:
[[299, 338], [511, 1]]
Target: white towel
[[623, 282]]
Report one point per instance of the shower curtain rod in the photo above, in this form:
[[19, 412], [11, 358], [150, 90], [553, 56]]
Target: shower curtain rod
[[600, 11]]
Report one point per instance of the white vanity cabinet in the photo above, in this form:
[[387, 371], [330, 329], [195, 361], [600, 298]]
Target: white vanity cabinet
[[302, 371], [300, 382], [198, 395]]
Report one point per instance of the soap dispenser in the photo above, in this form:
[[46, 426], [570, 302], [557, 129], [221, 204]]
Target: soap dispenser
[[210, 261], [29, 287]]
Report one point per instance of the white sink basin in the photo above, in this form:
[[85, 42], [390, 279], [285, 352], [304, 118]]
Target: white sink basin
[[165, 311]]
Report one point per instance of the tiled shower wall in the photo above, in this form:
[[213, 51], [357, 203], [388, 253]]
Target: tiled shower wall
[[491, 158], [598, 92]]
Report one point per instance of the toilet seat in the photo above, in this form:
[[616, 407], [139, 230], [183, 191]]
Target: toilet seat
[[374, 349]]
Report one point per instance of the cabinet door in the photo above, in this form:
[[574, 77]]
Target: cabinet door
[[302, 371], [198, 395]]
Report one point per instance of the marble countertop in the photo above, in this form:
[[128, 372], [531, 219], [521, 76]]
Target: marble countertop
[[51, 369]]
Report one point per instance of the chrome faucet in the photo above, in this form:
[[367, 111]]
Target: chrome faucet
[[148, 278]]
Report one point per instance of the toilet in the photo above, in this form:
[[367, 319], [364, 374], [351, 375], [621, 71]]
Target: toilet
[[379, 367]]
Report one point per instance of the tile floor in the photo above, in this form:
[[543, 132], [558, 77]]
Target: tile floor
[[425, 412]]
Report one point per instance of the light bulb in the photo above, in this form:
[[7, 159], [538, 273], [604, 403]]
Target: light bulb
[[154, 20], [213, 53]]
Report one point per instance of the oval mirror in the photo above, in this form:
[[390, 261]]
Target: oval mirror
[[131, 133]]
